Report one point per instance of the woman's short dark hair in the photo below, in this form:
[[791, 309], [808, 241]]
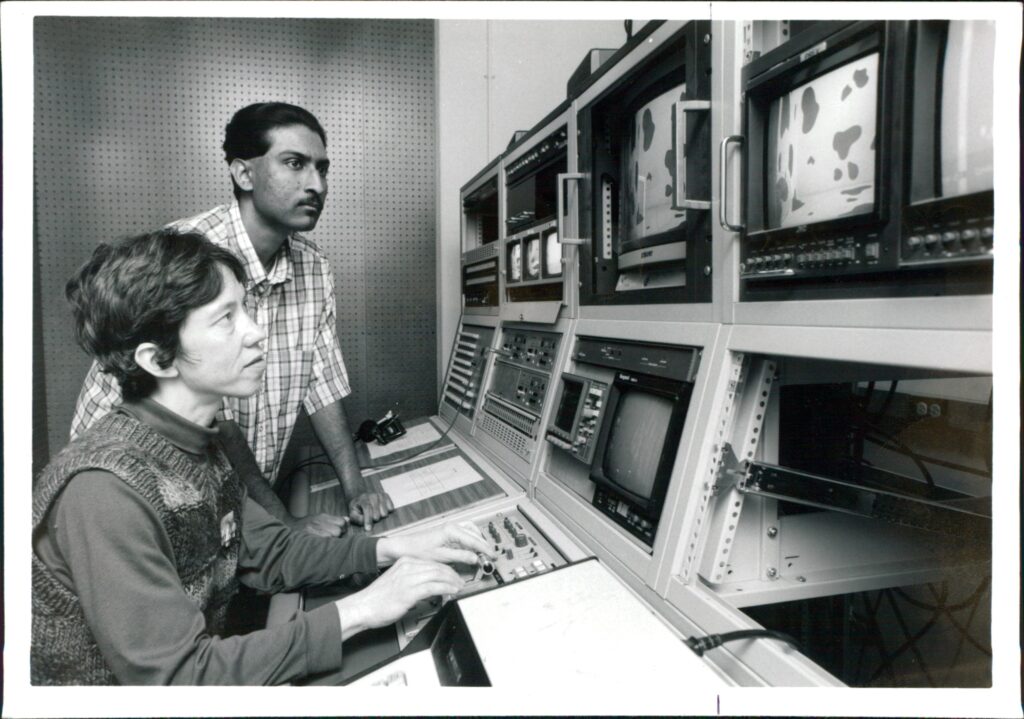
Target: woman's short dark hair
[[141, 289], [245, 136]]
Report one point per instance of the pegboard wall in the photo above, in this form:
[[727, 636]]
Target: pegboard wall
[[129, 120]]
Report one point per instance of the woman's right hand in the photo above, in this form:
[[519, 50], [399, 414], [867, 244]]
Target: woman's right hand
[[394, 593]]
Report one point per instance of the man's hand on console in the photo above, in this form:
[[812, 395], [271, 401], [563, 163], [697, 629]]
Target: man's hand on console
[[394, 593], [321, 525], [369, 507]]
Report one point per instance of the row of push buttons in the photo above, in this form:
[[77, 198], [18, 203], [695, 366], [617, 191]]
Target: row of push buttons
[[842, 254], [969, 240], [769, 262]]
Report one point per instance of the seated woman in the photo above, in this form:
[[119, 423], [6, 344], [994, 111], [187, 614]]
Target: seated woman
[[141, 527]]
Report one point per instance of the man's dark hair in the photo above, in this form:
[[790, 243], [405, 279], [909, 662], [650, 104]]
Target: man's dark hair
[[141, 289], [245, 136]]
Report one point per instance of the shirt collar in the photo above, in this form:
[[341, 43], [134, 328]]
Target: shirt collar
[[183, 434], [256, 274]]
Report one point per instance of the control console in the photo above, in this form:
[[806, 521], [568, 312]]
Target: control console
[[522, 551], [518, 388]]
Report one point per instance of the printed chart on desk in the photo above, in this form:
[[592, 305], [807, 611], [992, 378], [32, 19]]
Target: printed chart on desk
[[430, 481]]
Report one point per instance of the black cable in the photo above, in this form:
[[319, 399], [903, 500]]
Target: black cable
[[315, 459], [965, 634], [700, 645], [874, 636], [477, 373], [941, 608], [926, 606], [888, 399], [318, 458], [861, 428], [310, 463], [911, 639], [988, 454], [900, 447]]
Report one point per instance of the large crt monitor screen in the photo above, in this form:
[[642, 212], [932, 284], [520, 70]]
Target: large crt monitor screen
[[644, 180], [821, 147], [868, 162], [966, 116], [649, 172], [636, 441]]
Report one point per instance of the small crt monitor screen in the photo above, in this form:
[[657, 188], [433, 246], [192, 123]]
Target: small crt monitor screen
[[636, 440], [820, 162], [515, 262], [566, 414], [533, 258], [967, 107], [649, 171], [552, 254]]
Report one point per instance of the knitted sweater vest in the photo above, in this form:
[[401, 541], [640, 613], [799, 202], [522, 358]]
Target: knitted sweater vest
[[189, 494]]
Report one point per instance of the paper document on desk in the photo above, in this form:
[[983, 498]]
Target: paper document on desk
[[430, 481], [416, 436]]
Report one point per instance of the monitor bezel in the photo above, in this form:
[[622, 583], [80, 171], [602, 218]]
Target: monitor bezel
[[570, 433], [809, 56], [526, 242], [677, 391], [922, 151], [509, 248], [687, 52], [545, 237], [632, 100]]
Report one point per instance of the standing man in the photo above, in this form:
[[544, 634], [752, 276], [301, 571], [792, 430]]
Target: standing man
[[277, 157]]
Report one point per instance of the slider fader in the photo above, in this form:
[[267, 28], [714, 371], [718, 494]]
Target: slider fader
[[522, 551]]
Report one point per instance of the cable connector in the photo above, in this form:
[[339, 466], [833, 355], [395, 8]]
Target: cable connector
[[700, 645]]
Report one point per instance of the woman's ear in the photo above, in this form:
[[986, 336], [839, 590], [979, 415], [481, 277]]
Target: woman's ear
[[241, 172], [145, 357]]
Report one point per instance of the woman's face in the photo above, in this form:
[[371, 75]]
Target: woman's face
[[221, 348]]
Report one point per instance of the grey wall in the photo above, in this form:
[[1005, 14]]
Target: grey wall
[[129, 117]]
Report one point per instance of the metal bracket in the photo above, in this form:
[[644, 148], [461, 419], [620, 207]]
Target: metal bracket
[[750, 398], [730, 474], [889, 497], [680, 111]]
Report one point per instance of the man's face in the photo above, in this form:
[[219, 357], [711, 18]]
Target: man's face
[[220, 352], [290, 180]]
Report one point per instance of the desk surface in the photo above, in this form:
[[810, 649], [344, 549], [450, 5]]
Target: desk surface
[[578, 626], [326, 495], [574, 628]]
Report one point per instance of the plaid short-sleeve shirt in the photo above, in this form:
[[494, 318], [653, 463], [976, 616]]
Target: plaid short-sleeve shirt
[[293, 302]]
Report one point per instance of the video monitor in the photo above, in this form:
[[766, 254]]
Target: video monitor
[[636, 448], [515, 262], [552, 249], [636, 441], [480, 216], [533, 258], [649, 173], [869, 161], [565, 415], [967, 108], [644, 146], [821, 147]]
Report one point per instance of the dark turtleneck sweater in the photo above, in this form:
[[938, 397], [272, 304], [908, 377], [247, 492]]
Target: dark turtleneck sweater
[[106, 543]]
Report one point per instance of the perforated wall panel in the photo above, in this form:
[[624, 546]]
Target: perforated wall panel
[[129, 120]]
